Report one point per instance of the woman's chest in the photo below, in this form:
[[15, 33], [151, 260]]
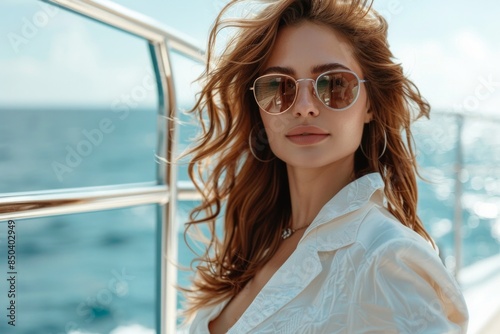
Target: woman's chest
[[240, 303], [308, 296]]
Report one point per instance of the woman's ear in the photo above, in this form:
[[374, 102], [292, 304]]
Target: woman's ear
[[369, 112]]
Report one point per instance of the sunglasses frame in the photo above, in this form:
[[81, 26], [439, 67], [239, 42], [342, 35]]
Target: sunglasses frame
[[315, 85]]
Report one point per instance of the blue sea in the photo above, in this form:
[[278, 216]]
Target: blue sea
[[93, 272]]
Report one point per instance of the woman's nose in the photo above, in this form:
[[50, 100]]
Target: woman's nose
[[306, 101]]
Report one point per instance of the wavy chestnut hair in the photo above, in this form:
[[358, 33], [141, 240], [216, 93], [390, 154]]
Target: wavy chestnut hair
[[255, 195]]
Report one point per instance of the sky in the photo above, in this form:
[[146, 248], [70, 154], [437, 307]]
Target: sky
[[449, 48]]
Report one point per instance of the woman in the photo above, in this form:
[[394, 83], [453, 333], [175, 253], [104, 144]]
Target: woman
[[304, 150]]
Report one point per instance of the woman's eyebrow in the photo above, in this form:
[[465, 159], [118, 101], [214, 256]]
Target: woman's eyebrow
[[315, 70], [327, 67], [279, 69]]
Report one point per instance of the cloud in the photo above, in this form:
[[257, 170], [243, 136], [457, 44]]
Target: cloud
[[70, 67], [77, 62], [75, 49], [455, 73], [49, 84], [471, 45]]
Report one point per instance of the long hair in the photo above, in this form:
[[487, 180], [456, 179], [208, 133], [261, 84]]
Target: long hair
[[252, 197]]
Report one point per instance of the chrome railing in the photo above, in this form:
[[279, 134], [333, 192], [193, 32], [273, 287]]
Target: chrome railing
[[165, 191], [76, 200]]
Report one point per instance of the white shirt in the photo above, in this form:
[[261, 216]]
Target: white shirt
[[356, 269]]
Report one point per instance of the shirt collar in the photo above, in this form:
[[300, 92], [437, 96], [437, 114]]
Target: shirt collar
[[331, 234]]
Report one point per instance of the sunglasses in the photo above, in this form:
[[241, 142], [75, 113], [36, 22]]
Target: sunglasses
[[336, 89]]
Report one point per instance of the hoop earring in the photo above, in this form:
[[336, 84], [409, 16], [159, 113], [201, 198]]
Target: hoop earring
[[250, 145], [383, 151]]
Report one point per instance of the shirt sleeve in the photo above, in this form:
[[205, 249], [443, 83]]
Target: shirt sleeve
[[403, 287]]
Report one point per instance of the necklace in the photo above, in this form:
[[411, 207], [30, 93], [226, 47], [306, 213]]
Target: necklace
[[287, 232]]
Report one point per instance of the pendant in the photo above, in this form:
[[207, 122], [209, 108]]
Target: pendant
[[287, 232]]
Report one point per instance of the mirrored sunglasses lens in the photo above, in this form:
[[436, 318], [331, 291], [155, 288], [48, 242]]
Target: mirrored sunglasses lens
[[338, 90], [274, 94]]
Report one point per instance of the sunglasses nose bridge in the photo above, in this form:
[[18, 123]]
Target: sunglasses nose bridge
[[312, 81], [305, 79], [305, 98]]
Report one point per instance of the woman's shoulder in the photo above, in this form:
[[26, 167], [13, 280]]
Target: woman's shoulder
[[382, 237], [380, 231], [401, 274], [393, 252]]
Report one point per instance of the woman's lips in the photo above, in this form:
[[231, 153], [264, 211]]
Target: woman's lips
[[306, 135]]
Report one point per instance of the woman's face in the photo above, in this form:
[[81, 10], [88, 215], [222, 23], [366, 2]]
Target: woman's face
[[309, 135]]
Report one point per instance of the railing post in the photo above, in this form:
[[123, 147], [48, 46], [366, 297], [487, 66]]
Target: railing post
[[458, 221]]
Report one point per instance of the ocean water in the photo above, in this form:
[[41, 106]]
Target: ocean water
[[94, 272]]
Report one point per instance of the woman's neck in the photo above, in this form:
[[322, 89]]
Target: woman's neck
[[312, 188]]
